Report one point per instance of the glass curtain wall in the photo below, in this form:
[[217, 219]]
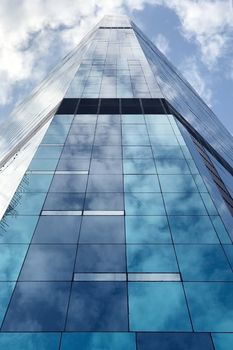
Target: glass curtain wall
[[112, 240]]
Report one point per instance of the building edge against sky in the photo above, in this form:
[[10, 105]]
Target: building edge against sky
[[131, 146]]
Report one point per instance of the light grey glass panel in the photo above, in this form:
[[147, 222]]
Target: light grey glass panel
[[154, 277]]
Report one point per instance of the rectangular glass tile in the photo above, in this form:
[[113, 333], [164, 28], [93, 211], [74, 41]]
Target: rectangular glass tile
[[61, 212], [139, 166], [141, 183], [151, 258], [50, 298], [102, 277], [184, 204], [163, 304], [154, 277], [103, 212], [177, 183], [203, 263], [144, 204], [85, 307], [98, 340]]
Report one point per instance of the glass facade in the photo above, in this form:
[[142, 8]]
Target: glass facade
[[114, 238]]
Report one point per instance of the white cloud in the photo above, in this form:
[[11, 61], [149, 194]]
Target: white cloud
[[192, 73], [208, 22], [162, 43]]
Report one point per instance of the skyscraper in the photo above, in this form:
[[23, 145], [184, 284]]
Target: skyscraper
[[119, 232]]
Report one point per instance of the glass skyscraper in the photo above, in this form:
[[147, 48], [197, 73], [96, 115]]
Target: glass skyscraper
[[116, 206]]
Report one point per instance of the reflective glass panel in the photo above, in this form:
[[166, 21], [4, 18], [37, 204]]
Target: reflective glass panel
[[147, 229], [211, 305], [100, 258], [151, 258], [38, 306], [163, 304], [98, 306], [203, 263]]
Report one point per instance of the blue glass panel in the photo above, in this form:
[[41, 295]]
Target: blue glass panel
[[144, 204], [30, 341], [151, 258], [28, 203], [147, 229], [48, 263], [132, 119], [172, 166], [107, 152], [102, 229], [53, 139], [163, 140], [203, 263], [38, 306], [167, 152], [209, 204], [62, 119], [107, 139], [222, 341], [73, 164], [229, 252], [105, 183], [211, 305], [220, 229], [108, 131], [70, 152], [100, 258], [192, 229], [58, 129], [43, 164], [82, 129], [156, 119], [57, 229], [98, 306], [35, 183], [106, 166], [157, 306], [184, 204], [109, 118], [137, 152], [6, 289], [160, 129], [85, 118], [69, 183], [17, 229], [108, 128], [137, 129], [48, 152], [141, 183], [81, 140], [176, 341], [177, 183], [98, 341], [135, 140], [64, 201], [104, 201], [11, 260], [139, 166]]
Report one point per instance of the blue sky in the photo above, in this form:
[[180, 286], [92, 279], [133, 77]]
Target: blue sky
[[196, 35]]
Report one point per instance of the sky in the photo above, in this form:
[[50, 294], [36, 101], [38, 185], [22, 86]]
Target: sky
[[195, 35]]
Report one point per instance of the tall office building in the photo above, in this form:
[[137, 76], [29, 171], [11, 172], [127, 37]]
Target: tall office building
[[118, 235]]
